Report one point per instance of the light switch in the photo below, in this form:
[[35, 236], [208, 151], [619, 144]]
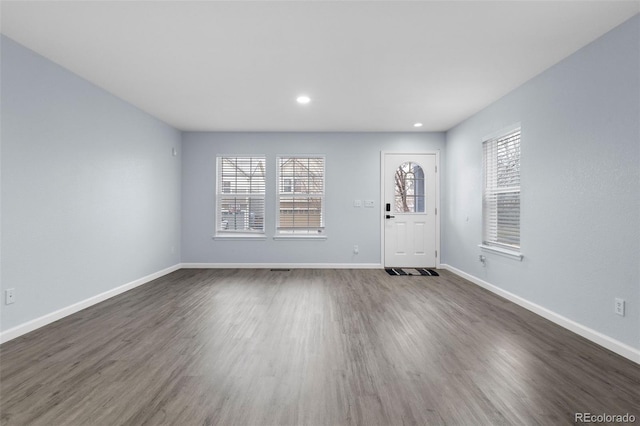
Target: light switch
[[357, 203]]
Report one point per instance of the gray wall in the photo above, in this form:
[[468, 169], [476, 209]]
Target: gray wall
[[90, 189], [352, 172], [91, 195], [580, 221]]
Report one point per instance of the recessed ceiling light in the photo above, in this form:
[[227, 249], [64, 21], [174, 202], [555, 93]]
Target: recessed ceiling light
[[417, 125], [303, 99]]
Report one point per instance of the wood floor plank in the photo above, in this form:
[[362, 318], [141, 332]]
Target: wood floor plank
[[309, 347]]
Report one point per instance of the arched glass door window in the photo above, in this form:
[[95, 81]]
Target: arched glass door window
[[409, 188]]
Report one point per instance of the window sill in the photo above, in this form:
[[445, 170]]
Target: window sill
[[503, 252], [240, 237], [300, 237]]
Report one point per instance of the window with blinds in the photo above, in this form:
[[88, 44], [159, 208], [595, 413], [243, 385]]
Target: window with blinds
[[501, 196], [301, 195], [240, 195]]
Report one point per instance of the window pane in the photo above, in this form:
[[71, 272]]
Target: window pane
[[242, 175], [300, 212], [508, 218], [508, 162], [409, 189]]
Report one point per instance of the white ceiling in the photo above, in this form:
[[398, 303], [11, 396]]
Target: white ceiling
[[367, 65]]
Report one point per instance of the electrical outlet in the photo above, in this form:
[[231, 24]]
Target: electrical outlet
[[356, 249], [619, 306], [9, 296]]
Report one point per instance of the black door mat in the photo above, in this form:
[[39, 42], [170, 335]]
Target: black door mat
[[412, 271]]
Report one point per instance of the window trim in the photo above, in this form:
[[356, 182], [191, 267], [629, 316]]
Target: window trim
[[502, 251], [221, 234], [320, 237], [507, 250], [278, 234]]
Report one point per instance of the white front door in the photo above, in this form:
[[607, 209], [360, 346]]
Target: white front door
[[409, 206]]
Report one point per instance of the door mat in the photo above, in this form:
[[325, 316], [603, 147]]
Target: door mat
[[412, 271]]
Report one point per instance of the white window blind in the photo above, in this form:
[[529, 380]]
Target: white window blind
[[501, 196], [301, 195], [240, 195]]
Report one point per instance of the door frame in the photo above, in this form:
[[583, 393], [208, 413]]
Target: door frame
[[382, 200]]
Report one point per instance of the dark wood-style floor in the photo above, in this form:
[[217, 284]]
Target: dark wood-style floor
[[309, 347]]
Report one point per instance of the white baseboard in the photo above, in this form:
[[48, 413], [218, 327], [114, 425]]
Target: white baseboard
[[34, 324], [281, 265], [596, 337]]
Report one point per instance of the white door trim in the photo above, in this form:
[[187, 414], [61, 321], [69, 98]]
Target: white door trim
[[382, 212]]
